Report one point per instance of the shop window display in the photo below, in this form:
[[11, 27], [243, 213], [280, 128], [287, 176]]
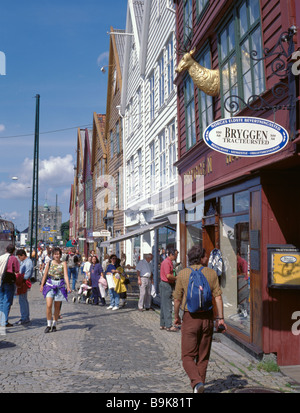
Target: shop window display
[[235, 280]]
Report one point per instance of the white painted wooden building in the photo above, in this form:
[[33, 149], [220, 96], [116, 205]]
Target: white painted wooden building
[[149, 110]]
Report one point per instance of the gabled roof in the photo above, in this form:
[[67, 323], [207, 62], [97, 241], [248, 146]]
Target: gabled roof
[[87, 152], [80, 148], [98, 133]]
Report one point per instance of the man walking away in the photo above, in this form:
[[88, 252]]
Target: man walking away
[[145, 278], [197, 328]]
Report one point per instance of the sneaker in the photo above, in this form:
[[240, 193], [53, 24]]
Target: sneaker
[[47, 329], [110, 307], [115, 308], [18, 323], [199, 388], [53, 329]]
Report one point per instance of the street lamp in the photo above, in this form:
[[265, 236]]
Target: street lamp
[[103, 68]]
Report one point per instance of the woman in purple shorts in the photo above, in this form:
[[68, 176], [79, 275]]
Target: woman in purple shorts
[[55, 287]]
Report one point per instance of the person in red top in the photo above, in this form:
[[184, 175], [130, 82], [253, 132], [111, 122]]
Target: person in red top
[[7, 287], [166, 288]]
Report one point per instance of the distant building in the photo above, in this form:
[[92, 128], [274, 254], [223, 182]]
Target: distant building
[[23, 237], [49, 223]]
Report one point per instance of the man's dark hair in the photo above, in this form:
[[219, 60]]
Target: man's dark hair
[[195, 254], [172, 251], [10, 249], [21, 252]]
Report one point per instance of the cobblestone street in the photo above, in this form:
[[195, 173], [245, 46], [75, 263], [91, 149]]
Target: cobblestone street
[[104, 351]]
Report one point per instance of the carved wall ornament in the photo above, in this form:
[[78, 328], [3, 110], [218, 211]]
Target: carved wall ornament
[[206, 80]]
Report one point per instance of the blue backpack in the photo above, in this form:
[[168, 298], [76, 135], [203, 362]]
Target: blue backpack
[[199, 297]]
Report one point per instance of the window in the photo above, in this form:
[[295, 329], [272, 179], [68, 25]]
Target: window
[[140, 171], [152, 97], [152, 166], [130, 176], [188, 19], [235, 247], [190, 113], [130, 117], [205, 101], [111, 144], [241, 75], [162, 159], [172, 152], [139, 98], [170, 66], [201, 4], [118, 136], [161, 81]]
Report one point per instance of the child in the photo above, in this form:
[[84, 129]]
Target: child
[[84, 288]]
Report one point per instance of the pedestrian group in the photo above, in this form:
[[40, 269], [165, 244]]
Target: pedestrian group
[[60, 271]]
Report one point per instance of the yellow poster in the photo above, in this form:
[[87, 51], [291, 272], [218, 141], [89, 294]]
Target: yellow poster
[[286, 268]]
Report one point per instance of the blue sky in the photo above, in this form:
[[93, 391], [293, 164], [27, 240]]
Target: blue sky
[[54, 49]]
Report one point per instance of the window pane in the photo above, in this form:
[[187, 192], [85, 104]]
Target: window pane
[[243, 20], [254, 10], [225, 78], [245, 56], [241, 201], [247, 83], [224, 49], [226, 204], [231, 36], [235, 279], [233, 71]]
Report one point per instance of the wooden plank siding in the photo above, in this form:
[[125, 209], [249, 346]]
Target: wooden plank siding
[[161, 28], [115, 152], [99, 154], [274, 20]]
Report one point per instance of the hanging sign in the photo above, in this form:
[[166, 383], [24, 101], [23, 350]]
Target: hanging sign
[[246, 136]]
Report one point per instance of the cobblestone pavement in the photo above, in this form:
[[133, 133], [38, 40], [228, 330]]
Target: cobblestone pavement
[[99, 350]]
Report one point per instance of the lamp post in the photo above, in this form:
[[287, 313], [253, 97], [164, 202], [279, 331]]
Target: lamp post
[[35, 186]]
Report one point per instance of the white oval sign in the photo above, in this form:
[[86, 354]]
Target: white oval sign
[[246, 136], [288, 260]]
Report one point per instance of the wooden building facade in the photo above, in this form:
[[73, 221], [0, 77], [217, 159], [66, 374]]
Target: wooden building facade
[[241, 207]]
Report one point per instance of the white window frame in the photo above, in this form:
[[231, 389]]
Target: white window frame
[[161, 80], [162, 159], [152, 166]]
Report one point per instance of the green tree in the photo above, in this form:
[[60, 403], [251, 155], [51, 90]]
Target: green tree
[[64, 229]]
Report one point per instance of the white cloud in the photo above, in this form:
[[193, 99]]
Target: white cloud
[[11, 215], [55, 172], [2, 128]]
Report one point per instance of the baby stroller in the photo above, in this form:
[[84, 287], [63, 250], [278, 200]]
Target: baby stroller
[[84, 294]]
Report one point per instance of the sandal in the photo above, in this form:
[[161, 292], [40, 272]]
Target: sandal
[[162, 328], [172, 329]]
